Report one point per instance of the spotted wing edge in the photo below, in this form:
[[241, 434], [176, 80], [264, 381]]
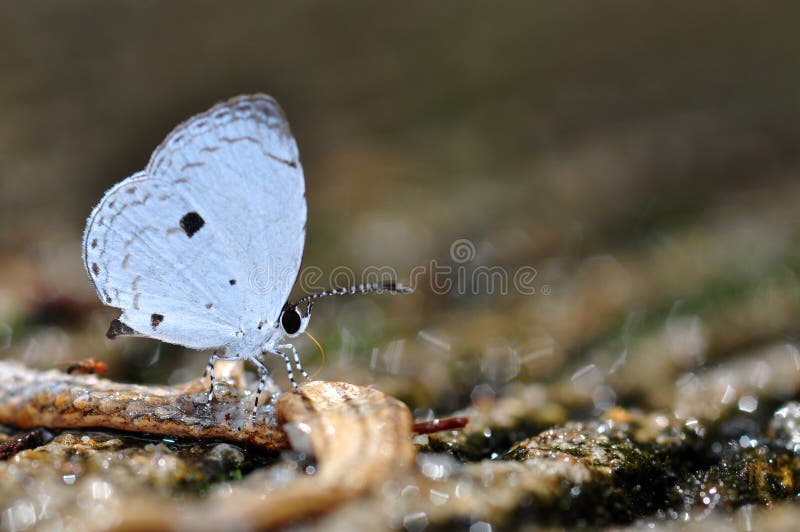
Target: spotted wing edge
[[116, 328], [225, 112]]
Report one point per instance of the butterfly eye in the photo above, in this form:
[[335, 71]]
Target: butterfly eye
[[290, 320]]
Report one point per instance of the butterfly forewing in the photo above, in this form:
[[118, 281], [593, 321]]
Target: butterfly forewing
[[207, 241]]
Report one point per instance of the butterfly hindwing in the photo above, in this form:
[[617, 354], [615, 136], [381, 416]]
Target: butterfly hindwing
[[206, 242]]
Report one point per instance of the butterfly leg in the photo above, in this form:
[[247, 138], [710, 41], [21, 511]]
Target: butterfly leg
[[296, 357], [262, 381], [288, 367], [210, 370]]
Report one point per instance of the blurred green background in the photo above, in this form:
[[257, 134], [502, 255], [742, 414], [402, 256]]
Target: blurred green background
[[634, 153]]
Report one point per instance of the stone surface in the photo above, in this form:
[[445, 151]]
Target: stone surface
[[348, 440]]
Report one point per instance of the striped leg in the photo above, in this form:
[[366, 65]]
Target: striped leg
[[210, 370], [262, 381], [297, 363], [288, 367]]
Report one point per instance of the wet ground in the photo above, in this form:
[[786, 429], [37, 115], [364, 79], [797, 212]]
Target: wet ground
[[598, 210]]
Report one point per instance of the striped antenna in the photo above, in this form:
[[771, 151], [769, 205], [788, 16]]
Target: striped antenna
[[391, 287]]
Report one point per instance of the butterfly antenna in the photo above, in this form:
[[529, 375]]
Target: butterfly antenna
[[368, 288]]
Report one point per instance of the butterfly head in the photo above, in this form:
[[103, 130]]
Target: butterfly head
[[292, 321]]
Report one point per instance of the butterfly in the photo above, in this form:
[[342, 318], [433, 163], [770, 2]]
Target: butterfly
[[202, 247]]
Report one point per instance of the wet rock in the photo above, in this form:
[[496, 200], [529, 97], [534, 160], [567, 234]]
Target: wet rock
[[358, 438], [496, 425], [54, 399], [745, 474], [223, 461]]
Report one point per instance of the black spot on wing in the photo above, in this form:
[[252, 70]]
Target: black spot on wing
[[95, 268], [155, 320], [192, 223], [117, 328], [232, 282]]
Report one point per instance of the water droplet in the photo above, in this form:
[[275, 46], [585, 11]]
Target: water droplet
[[584, 372], [19, 516], [480, 526], [729, 395], [101, 490], [748, 403], [482, 393], [438, 498], [415, 522], [437, 466], [604, 397], [434, 340]]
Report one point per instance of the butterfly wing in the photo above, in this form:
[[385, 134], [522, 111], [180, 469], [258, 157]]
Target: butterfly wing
[[204, 244]]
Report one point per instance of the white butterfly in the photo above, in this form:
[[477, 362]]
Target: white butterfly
[[203, 246]]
